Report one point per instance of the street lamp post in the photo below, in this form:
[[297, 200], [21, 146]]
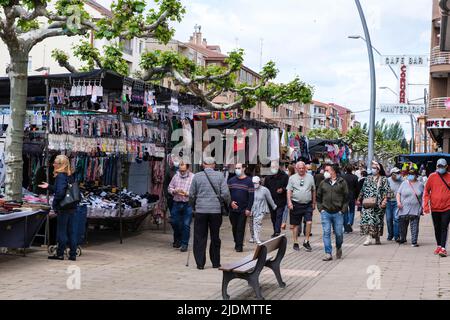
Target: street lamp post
[[373, 86]]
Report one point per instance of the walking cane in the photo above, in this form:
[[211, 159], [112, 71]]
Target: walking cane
[[189, 247]]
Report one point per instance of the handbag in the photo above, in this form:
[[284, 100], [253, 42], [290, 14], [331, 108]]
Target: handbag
[[445, 182], [72, 198], [223, 207], [370, 203]]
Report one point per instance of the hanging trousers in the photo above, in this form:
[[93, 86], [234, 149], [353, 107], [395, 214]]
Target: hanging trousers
[[404, 222], [441, 221], [201, 224]]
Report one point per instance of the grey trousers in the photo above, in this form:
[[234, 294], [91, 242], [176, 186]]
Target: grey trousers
[[404, 223]]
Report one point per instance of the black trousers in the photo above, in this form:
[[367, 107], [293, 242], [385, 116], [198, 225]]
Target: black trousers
[[277, 218], [404, 222], [201, 224], [441, 221], [238, 223]]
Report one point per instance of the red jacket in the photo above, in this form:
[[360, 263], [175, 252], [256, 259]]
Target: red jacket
[[436, 197]]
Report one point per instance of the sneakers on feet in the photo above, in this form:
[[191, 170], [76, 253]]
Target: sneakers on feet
[[184, 249], [443, 253], [296, 247], [339, 253], [438, 249], [414, 245], [327, 257], [368, 241], [251, 240], [307, 246]]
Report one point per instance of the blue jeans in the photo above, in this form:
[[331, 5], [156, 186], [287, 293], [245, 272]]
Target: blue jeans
[[66, 233], [336, 221], [392, 220], [181, 218], [349, 217]]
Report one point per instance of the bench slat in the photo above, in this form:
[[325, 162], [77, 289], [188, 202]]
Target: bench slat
[[247, 268], [237, 264]]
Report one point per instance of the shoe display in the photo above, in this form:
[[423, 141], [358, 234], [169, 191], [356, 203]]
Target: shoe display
[[307, 246], [443, 253], [438, 249], [56, 257], [339, 253], [296, 247], [327, 257]]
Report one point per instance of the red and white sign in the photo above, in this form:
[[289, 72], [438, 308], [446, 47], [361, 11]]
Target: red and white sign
[[438, 124], [403, 84]]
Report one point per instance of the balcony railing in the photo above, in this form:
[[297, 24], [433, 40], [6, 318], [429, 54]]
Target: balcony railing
[[440, 103], [438, 57]]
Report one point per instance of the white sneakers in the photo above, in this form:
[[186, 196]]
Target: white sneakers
[[368, 241]]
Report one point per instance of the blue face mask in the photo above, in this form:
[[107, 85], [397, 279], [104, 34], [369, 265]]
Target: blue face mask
[[411, 177], [442, 171]]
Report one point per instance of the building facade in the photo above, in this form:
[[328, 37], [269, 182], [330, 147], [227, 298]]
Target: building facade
[[438, 118]]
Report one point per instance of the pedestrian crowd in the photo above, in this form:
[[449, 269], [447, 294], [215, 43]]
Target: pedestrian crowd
[[398, 198]]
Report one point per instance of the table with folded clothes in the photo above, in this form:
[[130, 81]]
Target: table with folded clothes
[[104, 204]]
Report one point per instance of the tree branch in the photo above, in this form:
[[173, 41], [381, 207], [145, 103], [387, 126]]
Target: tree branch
[[149, 74], [39, 10], [212, 78], [68, 66]]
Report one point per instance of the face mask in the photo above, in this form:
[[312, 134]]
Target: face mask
[[310, 172], [375, 172], [411, 177], [327, 175], [274, 171], [442, 171], [238, 172], [176, 164], [256, 186]]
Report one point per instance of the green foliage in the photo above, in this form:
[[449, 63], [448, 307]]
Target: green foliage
[[112, 60], [326, 134], [25, 26]]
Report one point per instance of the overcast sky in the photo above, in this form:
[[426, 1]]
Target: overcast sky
[[308, 38]]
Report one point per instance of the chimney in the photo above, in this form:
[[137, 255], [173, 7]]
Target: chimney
[[197, 35], [205, 43]]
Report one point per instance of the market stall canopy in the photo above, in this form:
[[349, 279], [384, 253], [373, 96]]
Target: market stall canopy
[[319, 145], [238, 124]]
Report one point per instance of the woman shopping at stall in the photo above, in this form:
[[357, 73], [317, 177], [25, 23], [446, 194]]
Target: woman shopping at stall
[[373, 198], [66, 228]]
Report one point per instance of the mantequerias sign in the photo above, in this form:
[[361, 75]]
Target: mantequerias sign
[[403, 109]]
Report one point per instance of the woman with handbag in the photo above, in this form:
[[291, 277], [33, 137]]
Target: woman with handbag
[[409, 203], [373, 198], [66, 228]]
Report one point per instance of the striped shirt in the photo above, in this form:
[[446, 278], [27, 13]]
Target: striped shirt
[[242, 192], [180, 182]]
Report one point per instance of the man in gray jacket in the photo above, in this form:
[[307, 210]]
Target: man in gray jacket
[[208, 213]]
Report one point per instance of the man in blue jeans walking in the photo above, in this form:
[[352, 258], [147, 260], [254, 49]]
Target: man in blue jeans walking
[[395, 181], [332, 202], [181, 213]]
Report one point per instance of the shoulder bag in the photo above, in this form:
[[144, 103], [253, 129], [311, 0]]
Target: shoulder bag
[[445, 182], [417, 197], [223, 207], [370, 203], [72, 198]]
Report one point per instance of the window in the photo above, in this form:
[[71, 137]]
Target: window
[[30, 64], [315, 110], [289, 113], [127, 46], [275, 111], [140, 46]]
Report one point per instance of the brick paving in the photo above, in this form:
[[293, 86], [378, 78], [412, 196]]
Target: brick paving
[[146, 267]]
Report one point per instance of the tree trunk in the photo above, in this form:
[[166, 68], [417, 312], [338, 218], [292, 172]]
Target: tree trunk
[[18, 76]]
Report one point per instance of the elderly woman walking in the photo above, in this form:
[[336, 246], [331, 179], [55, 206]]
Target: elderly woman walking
[[373, 198], [262, 200], [409, 203]]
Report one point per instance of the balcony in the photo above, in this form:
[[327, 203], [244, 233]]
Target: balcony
[[439, 108], [440, 63]]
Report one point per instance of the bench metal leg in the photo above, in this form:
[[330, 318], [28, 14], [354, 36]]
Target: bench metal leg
[[254, 282], [227, 277], [275, 267]]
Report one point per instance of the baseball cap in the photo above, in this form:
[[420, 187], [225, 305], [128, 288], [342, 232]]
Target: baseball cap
[[395, 170], [442, 163], [256, 179]]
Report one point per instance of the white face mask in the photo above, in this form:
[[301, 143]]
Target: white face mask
[[257, 185], [274, 170], [327, 175], [238, 172]]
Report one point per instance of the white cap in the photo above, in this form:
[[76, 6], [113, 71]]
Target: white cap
[[395, 170], [256, 179], [442, 162]]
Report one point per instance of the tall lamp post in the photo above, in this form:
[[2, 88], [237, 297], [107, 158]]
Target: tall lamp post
[[373, 86]]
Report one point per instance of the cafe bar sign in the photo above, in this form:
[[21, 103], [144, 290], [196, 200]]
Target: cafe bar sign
[[418, 61], [438, 124]]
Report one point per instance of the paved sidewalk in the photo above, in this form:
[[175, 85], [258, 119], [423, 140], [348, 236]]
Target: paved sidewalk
[[146, 267]]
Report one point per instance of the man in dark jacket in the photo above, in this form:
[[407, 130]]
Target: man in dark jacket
[[353, 192], [332, 202], [277, 184]]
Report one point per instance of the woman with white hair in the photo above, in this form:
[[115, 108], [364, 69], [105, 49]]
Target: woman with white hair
[[261, 202]]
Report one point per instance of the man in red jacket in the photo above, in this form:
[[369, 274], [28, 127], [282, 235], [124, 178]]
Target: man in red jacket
[[436, 200]]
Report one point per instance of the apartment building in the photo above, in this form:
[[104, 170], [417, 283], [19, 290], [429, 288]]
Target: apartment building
[[438, 118], [40, 55], [318, 112]]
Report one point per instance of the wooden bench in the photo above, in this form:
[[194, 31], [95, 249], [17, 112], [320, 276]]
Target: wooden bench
[[250, 267]]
